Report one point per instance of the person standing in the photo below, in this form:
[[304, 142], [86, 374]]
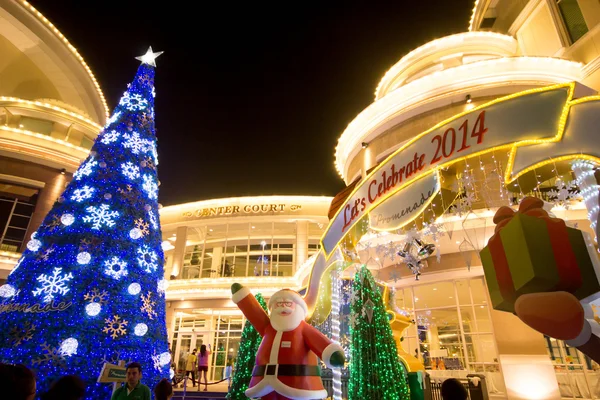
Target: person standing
[[134, 389], [203, 366], [190, 367]]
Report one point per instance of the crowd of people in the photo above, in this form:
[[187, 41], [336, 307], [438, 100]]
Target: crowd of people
[[18, 383]]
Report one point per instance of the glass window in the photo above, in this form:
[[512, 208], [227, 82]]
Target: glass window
[[244, 249], [36, 125], [573, 19], [452, 328], [16, 208], [434, 295], [86, 143]]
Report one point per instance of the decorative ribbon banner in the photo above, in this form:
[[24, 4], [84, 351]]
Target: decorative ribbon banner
[[406, 205], [522, 119]]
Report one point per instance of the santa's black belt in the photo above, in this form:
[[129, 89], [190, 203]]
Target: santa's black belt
[[286, 370]]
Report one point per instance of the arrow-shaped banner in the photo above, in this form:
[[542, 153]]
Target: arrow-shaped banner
[[530, 121]]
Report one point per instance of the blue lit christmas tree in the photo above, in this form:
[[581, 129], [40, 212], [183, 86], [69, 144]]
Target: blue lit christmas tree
[[90, 286]]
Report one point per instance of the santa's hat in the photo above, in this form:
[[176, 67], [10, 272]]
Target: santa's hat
[[290, 294]]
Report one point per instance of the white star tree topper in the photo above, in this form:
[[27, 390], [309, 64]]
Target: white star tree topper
[[149, 57]]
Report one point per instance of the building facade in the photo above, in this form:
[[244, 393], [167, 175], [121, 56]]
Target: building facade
[[51, 110], [511, 47], [266, 243]]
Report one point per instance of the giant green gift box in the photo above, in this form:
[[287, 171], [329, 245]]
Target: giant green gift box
[[521, 259]]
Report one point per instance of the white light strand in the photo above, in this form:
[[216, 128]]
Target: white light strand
[[584, 174], [335, 330]]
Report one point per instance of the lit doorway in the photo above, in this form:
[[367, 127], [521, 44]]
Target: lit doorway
[[186, 343]]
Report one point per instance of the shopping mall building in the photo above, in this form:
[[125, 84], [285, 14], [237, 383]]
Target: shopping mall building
[[519, 54]]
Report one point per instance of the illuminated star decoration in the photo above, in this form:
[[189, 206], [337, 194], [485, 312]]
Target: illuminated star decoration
[[149, 57]]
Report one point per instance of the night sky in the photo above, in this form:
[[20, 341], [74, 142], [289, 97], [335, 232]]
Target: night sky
[[251, 96]]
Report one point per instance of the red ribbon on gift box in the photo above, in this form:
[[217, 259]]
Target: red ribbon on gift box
[[566, 261]]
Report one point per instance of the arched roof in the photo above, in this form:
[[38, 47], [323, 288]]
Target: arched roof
[[39, 62]]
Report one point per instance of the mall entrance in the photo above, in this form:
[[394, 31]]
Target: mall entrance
[[222, 329]]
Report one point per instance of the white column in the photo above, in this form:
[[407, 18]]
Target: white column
[[179, 251], [301, 243], [215, 265]]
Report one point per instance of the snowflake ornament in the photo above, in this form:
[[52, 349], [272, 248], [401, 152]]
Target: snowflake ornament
[[50, 355], [109, 137], [85, 170], [142, 226], [115, 327], [100, 216], [353, 320], [96, 296], [115, 268], [130, 170], [45, 256], [136, 143], [147, 259], [113, 119], [84, 193], [148, 306], [22, 334], [52, 284], [150, 187], [153, 220], [133, 102], [395, 276]]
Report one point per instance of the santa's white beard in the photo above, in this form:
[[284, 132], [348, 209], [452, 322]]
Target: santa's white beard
[[287, 322]]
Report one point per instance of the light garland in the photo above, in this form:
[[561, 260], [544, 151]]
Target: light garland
[[584, 174], [335, 330]]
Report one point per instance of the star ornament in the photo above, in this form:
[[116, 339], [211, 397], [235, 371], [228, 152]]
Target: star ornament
[[149, 57]]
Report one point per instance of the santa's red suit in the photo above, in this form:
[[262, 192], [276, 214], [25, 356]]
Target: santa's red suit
[[286, 362]]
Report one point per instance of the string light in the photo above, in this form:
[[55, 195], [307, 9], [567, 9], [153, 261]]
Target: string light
[[376, 372], [584, 174], [335, 330], [90, 226]]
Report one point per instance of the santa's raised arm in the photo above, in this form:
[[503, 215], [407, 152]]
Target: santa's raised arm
[[286, 362]]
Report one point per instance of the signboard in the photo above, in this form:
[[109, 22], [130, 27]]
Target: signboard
[[112, 373], [236, 209], [537, 126]]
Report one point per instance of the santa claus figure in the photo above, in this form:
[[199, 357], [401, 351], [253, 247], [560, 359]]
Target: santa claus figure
[[286, 362]]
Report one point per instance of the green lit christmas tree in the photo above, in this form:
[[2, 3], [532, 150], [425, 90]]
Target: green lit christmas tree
[[376, 372], [246, 358]]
